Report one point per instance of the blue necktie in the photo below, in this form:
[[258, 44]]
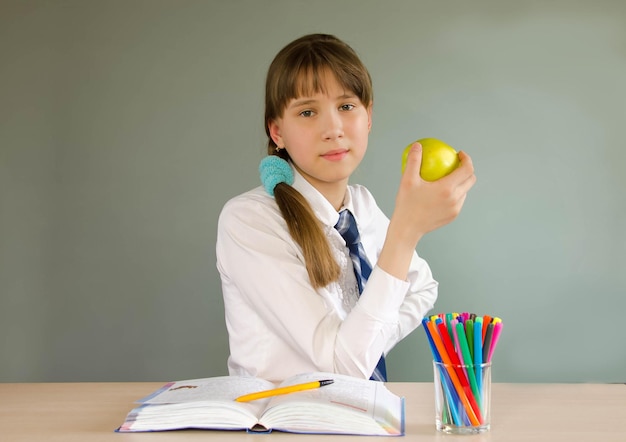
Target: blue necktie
[[346, 226]]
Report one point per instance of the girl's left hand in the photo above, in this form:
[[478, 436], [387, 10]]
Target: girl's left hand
[[423, 206]]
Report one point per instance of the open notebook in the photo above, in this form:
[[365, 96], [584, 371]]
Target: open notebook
[[348, 406]]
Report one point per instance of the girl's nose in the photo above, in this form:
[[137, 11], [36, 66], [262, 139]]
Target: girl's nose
[[333, 126]]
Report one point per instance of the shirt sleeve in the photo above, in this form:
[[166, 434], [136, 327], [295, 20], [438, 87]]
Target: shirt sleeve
[[276, 320], [389, 307]]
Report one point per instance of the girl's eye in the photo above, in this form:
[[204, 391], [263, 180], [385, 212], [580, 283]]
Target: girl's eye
[[306, 113], [347, 107]]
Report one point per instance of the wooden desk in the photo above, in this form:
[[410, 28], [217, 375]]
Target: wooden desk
[[86, 412]]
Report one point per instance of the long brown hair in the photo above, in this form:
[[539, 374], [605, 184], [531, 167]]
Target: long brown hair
[[298, 70]]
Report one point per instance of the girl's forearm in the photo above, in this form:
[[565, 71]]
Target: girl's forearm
[[397, 252]]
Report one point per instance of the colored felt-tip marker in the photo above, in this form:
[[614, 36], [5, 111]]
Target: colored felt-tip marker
[[283, 390]]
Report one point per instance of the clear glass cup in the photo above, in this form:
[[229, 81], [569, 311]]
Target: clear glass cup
[[462, 398]]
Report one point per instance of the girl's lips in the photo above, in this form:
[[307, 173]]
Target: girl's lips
[[335, 155]]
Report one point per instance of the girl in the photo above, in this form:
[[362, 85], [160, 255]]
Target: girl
[[294, 301]]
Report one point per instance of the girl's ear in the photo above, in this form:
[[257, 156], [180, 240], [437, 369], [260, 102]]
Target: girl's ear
[[275, 133], [369, 117]]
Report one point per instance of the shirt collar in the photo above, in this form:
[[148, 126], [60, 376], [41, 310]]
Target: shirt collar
[[324, 211], [347, 202]]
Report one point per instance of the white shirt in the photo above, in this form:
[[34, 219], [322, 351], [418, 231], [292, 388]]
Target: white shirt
[[278, 324]]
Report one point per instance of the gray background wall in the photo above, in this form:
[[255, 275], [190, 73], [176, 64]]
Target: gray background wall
[[125, 126]]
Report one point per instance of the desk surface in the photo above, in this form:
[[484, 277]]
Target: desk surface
[[86, 412]]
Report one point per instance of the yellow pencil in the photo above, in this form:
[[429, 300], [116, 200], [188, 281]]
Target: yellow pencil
[[283, 390]]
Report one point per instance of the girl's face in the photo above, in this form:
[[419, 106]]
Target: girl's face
[[326, 136]]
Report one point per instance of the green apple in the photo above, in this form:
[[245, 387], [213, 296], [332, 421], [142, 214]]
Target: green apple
[[438, 159]]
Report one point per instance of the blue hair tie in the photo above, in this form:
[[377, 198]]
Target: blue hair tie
[[275, 170]]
